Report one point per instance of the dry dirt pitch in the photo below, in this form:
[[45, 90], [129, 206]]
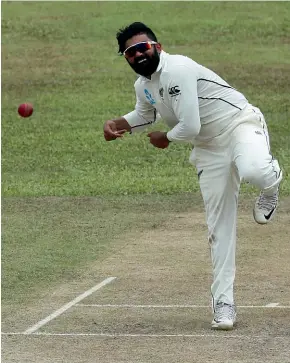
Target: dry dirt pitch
[[157, 308]]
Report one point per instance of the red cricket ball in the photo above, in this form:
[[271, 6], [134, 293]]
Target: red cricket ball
[[25, 109]]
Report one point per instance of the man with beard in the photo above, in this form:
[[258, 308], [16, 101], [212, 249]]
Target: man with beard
[[230, 140]]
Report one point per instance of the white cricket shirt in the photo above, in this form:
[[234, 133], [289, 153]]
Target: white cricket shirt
[[193, 101]]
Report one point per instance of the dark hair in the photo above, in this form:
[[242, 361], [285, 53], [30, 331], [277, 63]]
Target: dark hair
[[133, 29]]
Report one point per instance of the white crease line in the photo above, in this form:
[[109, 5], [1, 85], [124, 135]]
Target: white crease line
[[107, 335], [67, 306], [142, 306], [272, 305]]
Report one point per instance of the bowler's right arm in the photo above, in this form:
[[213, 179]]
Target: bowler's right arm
[[143, 116]]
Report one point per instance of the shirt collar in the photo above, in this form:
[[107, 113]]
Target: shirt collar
[[163, 56]]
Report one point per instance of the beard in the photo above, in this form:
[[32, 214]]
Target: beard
[[148, 65]]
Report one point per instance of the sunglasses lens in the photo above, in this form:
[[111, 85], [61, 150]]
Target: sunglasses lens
[[130, 52], [140, 47]]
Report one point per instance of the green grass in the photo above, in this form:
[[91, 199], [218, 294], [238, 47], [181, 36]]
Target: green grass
[[53, 239], [62, 57]]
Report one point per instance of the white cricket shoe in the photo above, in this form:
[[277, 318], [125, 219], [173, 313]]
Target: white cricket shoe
[[265, 207], [224, 316]]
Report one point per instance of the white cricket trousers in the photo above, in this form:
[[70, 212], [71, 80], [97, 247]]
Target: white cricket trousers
[[242, 153]]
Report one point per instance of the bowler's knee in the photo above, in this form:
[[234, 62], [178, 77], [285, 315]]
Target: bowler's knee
[[253, 172]]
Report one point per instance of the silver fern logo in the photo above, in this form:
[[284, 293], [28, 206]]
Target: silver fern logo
[[149, 97]]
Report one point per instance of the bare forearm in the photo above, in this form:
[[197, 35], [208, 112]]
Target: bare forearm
[[121, 124]]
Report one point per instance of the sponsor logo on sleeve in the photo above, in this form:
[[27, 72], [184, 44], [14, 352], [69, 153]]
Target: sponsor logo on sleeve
[[149, 97]]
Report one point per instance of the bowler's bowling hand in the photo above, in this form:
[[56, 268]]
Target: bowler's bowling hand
[[159, 139], [111, 132]]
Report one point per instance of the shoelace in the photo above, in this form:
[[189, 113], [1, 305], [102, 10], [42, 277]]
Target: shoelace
[[223, 310], [267, 202]]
